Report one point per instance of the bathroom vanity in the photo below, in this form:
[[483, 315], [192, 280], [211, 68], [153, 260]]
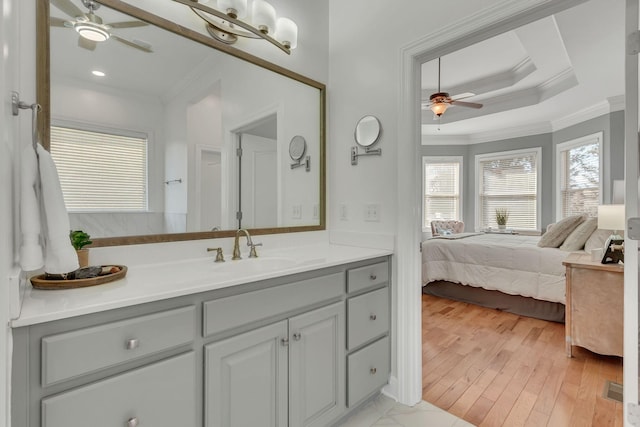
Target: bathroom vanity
[[272, 341]]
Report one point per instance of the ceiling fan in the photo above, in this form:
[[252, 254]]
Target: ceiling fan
[[440, 101], [90, 27]]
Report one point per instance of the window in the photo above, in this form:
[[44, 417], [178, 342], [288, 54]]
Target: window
[[442, 188], [509, 180], [99, 171], [579, 176]]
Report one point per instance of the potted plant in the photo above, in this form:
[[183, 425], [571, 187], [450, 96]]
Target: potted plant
[[80, 239], [502, 216]]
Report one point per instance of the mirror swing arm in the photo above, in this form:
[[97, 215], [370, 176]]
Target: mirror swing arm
[[367, 152], [297, 149], [366, 134]]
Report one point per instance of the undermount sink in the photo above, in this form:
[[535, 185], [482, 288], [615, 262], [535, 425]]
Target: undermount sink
[[256, 265]]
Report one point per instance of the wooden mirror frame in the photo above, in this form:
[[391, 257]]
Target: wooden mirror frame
[[43, 94]]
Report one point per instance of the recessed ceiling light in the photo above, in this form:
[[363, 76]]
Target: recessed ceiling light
[[98, 73]]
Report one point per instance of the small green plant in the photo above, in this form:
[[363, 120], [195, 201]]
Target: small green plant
[[502, 216], [79, 239]]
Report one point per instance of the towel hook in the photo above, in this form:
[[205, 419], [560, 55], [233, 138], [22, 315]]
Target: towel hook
[[17, 105]]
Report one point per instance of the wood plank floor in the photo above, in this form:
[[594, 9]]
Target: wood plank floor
[[493, 368]]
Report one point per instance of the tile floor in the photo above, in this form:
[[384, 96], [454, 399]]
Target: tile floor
[[383, 411]]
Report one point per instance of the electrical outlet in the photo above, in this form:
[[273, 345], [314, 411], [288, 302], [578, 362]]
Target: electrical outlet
[[296, 211], [372, 212], [316, 211], [343, 212]]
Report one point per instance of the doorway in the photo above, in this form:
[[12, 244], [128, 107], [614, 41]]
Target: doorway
[[493, 21]]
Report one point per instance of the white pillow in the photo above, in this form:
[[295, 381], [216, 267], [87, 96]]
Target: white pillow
[[560, 231], [578, 237], [597, 239]]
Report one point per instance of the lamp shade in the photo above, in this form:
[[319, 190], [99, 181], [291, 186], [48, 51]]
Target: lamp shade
[[287, 33], [611, 217], [439, 108], [264, 16]]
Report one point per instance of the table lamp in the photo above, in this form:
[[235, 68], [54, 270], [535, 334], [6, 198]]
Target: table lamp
[[611, 217]]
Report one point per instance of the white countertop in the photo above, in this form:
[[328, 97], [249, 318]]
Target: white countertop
[[153, 282]]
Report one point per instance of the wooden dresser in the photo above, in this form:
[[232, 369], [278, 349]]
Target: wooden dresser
[[594, 308]]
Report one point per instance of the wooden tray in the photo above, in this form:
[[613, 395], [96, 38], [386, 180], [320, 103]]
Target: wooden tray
[[39, 282]]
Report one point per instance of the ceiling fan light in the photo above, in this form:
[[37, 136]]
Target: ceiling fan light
[[439, 108], [264, 16], [234, 8], [91, 32], [287, 33]]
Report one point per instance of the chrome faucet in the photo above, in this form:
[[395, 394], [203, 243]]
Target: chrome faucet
[[236, 245]]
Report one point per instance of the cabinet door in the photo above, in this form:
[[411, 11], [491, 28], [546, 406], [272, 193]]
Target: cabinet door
[[317, 366], [246, 379]]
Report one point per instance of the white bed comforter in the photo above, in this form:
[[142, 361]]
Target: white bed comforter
[[511, 264]]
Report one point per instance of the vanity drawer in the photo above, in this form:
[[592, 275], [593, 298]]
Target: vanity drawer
[[228, 313], [71, 354], [162, 394], [367, 370], [365, 277], [367, 317]]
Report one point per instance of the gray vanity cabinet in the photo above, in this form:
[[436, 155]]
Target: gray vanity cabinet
[[292, 372], [295, 351]]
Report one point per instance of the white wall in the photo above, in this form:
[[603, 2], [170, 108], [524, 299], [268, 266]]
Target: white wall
[[14, 133]]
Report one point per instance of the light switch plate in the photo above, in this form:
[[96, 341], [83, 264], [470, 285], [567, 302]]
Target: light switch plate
[[633, 228]]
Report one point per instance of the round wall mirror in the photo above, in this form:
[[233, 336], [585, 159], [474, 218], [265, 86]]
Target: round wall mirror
[[297, 147], [367, 131]]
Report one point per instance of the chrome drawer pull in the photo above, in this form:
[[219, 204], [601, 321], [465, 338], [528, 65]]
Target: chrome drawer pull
[[373, 371], [297, 336], [373, 276], [133, 422], [284, 342], [373, 317], [130, 345]]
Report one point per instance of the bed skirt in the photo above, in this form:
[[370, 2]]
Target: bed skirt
[[523, 306]]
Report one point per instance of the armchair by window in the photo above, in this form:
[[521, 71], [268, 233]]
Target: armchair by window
[[439, 228]]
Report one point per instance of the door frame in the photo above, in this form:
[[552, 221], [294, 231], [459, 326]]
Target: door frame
[[503, 16]]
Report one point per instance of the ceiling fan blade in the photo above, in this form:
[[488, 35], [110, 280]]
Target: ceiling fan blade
[[466, 104], [462, 96], [145, 47], [67, 7], [86, 43], [58, 22], [128, 24]]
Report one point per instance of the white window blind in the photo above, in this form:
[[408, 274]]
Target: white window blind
[[508, 181], [442, 189], [100, 172], [580, 176]]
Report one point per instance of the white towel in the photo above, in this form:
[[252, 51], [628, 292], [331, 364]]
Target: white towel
[[50, 219]]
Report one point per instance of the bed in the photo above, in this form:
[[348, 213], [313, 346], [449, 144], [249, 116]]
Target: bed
[[502, 271]]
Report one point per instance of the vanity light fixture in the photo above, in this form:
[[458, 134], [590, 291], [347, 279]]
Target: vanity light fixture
[[234, 18]]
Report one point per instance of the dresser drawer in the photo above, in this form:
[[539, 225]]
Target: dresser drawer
[[228, 313], [367, 317], [365, 277], [159, 395], [71, 354], [367, 370]]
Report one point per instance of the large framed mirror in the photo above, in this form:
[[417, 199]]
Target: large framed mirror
[[161, 133]]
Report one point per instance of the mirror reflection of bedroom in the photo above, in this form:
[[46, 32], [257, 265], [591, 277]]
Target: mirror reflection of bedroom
[[523, 145]]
